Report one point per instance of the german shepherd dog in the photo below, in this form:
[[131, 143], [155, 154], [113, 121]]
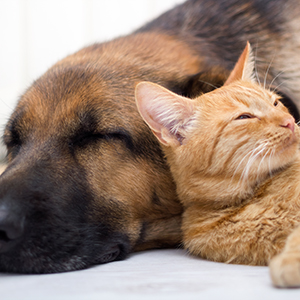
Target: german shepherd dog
[[86, 181]]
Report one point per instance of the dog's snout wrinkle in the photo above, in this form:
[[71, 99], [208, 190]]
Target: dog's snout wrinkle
[[11, 228]]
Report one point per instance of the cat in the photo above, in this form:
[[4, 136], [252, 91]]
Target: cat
[[234, 155]]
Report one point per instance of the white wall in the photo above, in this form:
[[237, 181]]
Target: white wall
[[34, 34]]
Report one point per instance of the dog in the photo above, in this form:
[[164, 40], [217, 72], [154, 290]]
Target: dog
[[86, 182]]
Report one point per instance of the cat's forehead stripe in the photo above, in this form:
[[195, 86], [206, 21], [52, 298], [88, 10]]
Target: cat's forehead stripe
[[246, 95]]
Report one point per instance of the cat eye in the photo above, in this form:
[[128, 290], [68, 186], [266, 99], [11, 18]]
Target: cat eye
[[244, 116], [276, 103]]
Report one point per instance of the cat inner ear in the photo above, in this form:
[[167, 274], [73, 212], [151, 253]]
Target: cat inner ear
[[244, 68], [166, 113]]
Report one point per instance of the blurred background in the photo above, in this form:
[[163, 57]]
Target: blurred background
[[34, 34]]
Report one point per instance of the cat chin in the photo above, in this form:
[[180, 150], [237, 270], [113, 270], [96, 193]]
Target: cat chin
[[289, 149], [284, 158]]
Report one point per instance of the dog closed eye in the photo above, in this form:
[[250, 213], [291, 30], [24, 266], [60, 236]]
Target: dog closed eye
[[13, 142], [84, 139]]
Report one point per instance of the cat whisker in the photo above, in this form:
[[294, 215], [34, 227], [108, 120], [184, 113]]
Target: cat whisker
[[270, 158], [250, 162], [276, 88], [249, 153], [255, 65], [208, 83], [275, 78], [268, 69], [263, 158], [252, 156]]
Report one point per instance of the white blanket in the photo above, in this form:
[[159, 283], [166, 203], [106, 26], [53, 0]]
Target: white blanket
[[157, 274]]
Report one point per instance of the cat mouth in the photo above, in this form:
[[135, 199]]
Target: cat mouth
[[288, 142]]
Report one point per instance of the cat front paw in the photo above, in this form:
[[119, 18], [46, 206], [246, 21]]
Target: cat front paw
[[285, 270]]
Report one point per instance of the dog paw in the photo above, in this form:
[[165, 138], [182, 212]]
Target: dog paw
[[285, 270]]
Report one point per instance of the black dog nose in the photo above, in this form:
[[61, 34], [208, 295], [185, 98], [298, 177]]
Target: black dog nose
[[11, 228]]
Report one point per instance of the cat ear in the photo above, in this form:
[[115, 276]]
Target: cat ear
[[244, 68], [166, 113]]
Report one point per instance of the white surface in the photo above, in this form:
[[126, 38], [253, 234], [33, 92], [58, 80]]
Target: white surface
[[157, 274]]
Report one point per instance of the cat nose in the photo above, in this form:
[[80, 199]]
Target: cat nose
[[288, 123]]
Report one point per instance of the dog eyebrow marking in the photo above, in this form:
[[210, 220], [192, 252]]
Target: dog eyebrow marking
[[89, 130], [122, 134]]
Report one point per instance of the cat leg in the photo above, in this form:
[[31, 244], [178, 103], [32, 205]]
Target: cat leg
[[285, 267]]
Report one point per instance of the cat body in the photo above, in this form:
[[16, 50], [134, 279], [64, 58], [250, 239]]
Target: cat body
[[230, 218], [234, 155]]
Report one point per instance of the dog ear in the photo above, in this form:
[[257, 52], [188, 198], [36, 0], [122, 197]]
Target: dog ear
[[166, 113], [214, 77], [203, 82], [244, 68]]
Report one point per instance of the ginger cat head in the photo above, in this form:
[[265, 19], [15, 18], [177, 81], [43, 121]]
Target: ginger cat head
[[222, 144]]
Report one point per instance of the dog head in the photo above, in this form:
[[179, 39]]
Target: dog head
[[86, 181]]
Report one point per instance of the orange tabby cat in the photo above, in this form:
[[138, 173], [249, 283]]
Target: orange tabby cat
[[234, 154]]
